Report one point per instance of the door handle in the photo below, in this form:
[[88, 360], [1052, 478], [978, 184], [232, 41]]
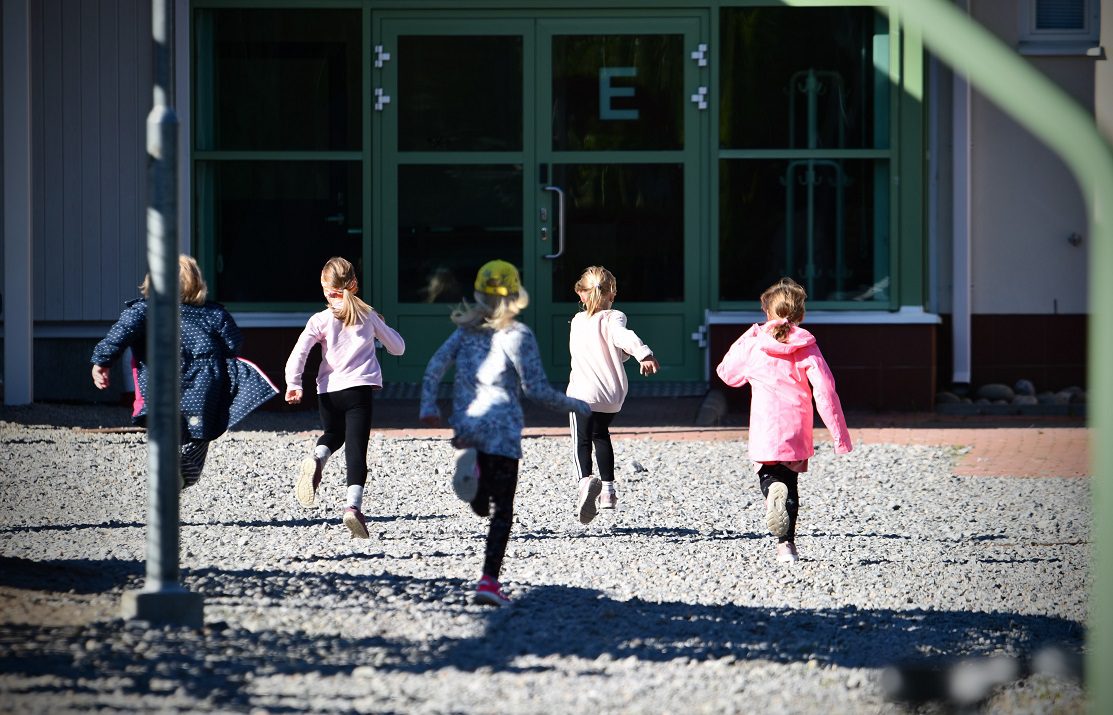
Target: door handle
[[559, 229]]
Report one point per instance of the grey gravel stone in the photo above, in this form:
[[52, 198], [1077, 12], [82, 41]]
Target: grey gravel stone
[[671, 603]]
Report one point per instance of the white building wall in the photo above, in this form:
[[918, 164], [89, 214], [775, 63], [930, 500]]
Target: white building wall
[[91, 93], [1025, 203]]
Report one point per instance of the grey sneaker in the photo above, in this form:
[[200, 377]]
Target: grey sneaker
[[776, 513], [309, 478], [465, 480], [786, 552], [608, 499], [589, 492]]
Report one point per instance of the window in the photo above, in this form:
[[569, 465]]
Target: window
[[1059, 26]]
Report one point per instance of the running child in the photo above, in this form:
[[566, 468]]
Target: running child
[[218, 388], [346, 380], [496, 359], [785, 369], [599, 342]]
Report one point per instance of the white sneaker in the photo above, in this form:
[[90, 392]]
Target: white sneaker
[[309, 479], [776, 513], [786, 552], [465, 480], [589, 492]]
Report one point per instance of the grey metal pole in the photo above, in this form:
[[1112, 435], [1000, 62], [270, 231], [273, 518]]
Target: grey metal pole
[[162, 599]]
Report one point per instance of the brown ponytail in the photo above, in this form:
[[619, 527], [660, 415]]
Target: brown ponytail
[[784, 299]]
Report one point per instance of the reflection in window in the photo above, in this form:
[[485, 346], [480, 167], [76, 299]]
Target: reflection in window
[[279, 79], [459, 93], [618, 92], [817, 221], [804, 78], [628, 218], [452, 220], [275, 223]]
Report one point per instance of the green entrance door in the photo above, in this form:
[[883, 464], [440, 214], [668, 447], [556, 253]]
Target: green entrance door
[[554, 144]]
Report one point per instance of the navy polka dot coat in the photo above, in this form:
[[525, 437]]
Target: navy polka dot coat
[[218, 389]]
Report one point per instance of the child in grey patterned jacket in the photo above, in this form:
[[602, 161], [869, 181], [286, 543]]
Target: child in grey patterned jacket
[[496, 359]]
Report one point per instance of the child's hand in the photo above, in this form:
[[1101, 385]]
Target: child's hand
[[293, 397], [650, 366], [100, 377]]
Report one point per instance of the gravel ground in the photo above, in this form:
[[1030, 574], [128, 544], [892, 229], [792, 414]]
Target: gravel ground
[[673, 603]]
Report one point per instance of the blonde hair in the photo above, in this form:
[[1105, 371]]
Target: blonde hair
[[340, 275], [191, 286], [599, 284], [784, 299], [494, 312]]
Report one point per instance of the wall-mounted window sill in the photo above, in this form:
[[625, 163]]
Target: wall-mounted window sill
[[1061, 49]]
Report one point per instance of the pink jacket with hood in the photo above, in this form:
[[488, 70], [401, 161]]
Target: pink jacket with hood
[[784, 377]]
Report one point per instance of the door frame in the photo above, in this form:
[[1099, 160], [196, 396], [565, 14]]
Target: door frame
[[425, 326]]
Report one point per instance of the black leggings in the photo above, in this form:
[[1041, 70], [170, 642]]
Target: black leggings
[[498, 480], [588, 431], [346, 417], [770, 473]]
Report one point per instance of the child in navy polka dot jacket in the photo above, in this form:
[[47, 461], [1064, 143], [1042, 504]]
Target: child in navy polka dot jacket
[[218, 388], [347, 378]]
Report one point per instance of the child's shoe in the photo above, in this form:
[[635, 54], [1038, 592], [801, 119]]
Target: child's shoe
[[608, 499], [786, 552], [776, 513], [465, 480], [489, 593], [356, 523], [589, 492], [309, 478]]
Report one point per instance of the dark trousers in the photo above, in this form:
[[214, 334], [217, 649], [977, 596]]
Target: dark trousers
[[593, 431], [498, 481], [770, 473], [346, 418], [194, 452]]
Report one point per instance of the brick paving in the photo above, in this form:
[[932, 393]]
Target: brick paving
[[1009, 446]]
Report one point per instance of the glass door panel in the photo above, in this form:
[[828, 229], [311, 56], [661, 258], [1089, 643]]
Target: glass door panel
[[623, 148]]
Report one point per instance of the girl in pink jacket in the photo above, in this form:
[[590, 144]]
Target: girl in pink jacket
[[785, 369]]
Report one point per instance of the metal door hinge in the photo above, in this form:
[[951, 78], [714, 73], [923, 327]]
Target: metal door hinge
[[381, 100], [700, 54], [700, 336], [381, 56], [700, 97]]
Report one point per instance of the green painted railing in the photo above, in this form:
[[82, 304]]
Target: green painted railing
[[1050, 114]]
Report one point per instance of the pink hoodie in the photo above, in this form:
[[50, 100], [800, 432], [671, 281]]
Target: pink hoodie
[[783, 378]]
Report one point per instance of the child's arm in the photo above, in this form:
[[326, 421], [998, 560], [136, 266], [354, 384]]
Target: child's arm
[[827, 400], [733, 368], [129, 329], [628, 342], [526, 357], [388, 336], [230, 333], [442, 360], [295, 364]]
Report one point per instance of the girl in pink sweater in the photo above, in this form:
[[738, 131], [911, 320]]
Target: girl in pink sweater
[[599, 342], [347, 378], [785, 369]]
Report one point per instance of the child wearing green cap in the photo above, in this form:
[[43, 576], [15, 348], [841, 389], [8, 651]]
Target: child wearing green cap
[[496, 359]]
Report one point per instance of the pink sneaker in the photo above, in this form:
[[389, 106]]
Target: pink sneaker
[[786, 552], [608, 499], [309, 478], [356, 523], [489, 593]]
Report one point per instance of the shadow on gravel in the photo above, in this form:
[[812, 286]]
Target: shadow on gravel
[[72, 575], [218, 664]]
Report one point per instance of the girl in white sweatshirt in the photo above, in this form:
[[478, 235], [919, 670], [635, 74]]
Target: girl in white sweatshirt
[[599, 342]]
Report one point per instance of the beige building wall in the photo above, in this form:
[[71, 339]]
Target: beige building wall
[[1025, 204]]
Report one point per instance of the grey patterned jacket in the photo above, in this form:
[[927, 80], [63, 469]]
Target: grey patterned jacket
[[493, 367]]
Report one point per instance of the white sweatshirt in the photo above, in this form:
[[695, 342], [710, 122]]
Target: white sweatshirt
[[599, 344]]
